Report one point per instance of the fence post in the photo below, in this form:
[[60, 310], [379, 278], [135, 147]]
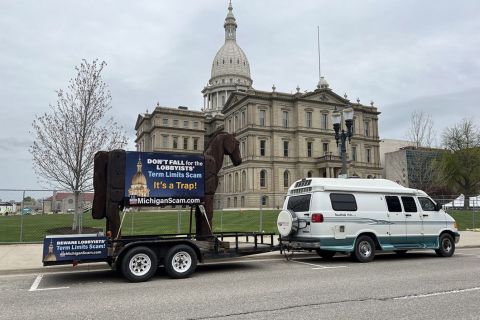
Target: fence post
[[21, 216], [261, 212], [131, 227], [178, 221]]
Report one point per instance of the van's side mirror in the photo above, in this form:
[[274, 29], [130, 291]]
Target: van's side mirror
[[438, 207]]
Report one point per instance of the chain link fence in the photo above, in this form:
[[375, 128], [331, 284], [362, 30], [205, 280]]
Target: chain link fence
[[26, 216], [29, 215]]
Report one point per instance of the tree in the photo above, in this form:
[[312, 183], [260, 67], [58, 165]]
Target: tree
[[421, 131], [76, 127], [460, 167]]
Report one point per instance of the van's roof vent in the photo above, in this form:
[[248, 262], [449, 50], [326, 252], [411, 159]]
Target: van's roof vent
[[301, 190], [303, 183]]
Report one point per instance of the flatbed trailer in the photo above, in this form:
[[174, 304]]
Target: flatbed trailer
[[138, 257]]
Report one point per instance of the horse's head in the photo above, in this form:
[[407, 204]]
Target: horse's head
[[232, 149]]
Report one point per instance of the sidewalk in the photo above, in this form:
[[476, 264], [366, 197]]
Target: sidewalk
[[24, 258]]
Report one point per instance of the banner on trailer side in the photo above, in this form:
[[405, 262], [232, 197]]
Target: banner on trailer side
[[155, 179], [74, 248]]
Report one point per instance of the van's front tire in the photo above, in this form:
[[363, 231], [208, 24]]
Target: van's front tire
[[364, 250], [447, 246], [325, 254], [139, 264]]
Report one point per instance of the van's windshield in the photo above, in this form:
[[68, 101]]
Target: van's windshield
[[299, 203]]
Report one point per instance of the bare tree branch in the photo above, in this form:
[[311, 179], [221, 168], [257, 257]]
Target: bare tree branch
[[421, 131], [75, 128]]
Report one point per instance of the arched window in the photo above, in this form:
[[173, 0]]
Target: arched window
[[237, 182], [244, 181], [235, 202], [286, 179], [309, 174], [228, 202], [263, 178], [230, 183], [242, 202]]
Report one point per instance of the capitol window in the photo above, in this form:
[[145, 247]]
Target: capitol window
[[165, 121], [185, 124], [308, 119], [175, 142], [262, 148], [262, 118], [195, 143], [285, 148], [263, 179], [165, 141], [175, 123], [285, 119]]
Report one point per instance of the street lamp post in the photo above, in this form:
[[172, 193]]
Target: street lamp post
[[342, 136]]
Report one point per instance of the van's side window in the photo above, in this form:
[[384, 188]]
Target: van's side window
[[393, 204], [426, 204], [343, 202], [409, 204], [299, 203]]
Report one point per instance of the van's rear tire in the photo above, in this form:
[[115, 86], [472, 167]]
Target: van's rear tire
[[364, 249], [180, 261], [139, 264], [447, 246], [325, 254]]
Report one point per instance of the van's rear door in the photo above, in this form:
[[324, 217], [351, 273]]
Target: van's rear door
[[300, 204]]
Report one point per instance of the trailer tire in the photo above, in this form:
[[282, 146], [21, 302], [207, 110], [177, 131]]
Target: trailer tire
[[180, 261], [139, 264]]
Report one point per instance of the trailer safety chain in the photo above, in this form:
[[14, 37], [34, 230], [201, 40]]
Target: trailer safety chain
[[287, 252]]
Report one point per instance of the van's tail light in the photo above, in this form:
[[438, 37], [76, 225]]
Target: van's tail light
[[317, 217]]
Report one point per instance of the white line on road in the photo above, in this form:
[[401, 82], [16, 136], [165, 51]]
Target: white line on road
[[317, 266], [37, 281], [437, 293]]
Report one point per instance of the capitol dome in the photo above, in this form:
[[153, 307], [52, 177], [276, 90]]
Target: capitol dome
[[230, 69], [230, 60]]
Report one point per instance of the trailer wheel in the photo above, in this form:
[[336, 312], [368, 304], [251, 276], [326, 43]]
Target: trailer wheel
[[180, 261], [364, 250], [139, 264], [447, 246]]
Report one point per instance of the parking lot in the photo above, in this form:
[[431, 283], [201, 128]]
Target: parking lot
[[418, 286]]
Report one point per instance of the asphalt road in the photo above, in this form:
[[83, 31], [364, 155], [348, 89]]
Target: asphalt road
[[418, 286]]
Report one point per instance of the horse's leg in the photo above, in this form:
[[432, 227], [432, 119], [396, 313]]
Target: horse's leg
[[199, 218], [209, 212]]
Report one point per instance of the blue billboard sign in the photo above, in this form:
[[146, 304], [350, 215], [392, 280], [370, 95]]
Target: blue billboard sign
[[155, 179], [74, 248]]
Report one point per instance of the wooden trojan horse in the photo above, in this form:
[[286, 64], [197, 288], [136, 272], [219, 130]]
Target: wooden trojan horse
[[221, 144]]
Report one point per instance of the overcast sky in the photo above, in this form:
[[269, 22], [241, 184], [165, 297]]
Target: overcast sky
[[403, 55]]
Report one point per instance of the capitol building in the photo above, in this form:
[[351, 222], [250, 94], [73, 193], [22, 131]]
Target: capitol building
[[283, 136]]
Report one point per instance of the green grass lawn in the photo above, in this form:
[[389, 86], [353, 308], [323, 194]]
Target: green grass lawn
[[465, 219], [33, 228]]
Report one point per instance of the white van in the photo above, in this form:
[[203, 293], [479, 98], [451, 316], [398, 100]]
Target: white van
[[361, 216]]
